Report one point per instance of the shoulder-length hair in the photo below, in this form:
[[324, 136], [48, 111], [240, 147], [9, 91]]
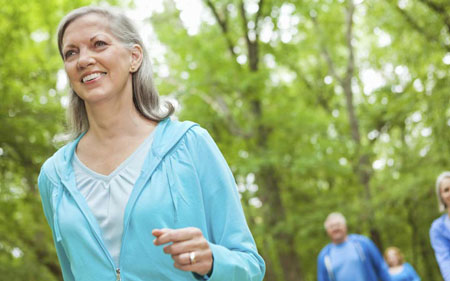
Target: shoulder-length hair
[[440, 178], [398, 253], [145, 96]]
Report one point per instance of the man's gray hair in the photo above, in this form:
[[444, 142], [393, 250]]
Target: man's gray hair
[[335, 216], [440, 178]]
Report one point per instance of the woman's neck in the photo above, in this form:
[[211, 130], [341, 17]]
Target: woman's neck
[[116, 118], [396, 269]]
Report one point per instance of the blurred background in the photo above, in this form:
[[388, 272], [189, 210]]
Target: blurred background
[[317, 105]]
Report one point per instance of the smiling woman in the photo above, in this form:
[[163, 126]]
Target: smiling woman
[[440, 229], [132, 179], [99, 67]]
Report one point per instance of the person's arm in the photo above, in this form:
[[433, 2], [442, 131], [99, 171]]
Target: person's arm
[[233, 247], [322, 274], [412, 272], [441, 251], [44, 187], [380, 266]]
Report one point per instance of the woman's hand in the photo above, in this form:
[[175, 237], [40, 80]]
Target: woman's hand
[[189, 249]]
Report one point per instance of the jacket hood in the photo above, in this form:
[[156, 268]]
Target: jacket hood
[[166, 135]]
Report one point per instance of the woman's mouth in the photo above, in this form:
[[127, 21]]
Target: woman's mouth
[[92, 77]]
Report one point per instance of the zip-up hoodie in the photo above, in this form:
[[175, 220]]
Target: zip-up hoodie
[[440, 240], [185, 181], [374, 265]]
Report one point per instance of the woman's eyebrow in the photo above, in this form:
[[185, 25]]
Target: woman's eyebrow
[[95, 36]]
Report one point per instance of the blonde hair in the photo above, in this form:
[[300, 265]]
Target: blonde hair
[[440, 178], [398, 253], [145, 96]]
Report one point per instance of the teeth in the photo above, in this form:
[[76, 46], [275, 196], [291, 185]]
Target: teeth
[[91, 76]]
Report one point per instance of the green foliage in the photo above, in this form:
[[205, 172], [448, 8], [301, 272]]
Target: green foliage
[[301, 133], [281, 123]]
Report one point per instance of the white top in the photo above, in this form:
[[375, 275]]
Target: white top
[[107, 196]]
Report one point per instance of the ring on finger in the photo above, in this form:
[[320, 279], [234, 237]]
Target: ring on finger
[[192, 257]]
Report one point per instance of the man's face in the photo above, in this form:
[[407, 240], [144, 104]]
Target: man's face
[[337, 230]]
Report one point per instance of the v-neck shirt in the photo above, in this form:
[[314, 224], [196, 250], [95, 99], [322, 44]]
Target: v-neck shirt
[[107, 195]]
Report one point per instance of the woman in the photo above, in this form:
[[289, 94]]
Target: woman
[[136, 196], [398, 269], [440, 229]]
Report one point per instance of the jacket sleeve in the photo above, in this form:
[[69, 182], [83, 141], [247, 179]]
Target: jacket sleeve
[[322, 274], [380, 266], [233, 247], [441, 251], [44, 189]]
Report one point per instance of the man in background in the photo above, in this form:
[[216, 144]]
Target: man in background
[[349, 257]]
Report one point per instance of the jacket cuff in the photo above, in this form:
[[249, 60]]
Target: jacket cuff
[[221, 270]]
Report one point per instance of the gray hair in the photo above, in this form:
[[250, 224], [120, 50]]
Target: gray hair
[[334, 216], [145, 96], [440, 178]]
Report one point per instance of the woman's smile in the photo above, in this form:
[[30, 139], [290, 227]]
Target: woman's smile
[[92, 77]]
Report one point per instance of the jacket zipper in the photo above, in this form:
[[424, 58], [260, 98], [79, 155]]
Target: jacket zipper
[[118, 274], [100, 242]]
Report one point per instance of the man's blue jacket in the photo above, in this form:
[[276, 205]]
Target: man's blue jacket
[[375, 267]]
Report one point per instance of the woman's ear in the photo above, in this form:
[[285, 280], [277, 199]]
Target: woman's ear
[[136, 57]]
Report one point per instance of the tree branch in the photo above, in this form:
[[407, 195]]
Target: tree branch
[[223, 26], [325, 52], [258, 17], [420, 29], [252, 46], [347, 81], [219, 105], [440, 9], [349, 39]]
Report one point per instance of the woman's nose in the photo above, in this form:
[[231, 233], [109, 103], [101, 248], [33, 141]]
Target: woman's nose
[[85, 59]]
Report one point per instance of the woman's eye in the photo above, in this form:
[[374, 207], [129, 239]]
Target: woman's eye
[[68, 54], [100, 43]]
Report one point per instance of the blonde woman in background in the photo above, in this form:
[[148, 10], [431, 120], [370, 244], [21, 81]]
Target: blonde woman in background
[[398, 268]]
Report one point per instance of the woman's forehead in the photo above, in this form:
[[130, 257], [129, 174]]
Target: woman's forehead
[[85, 27]]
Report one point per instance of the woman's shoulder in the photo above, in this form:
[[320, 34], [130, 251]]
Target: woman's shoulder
[[49, 169], [438, 226], [174, 129], [438, 222], [407, 266]]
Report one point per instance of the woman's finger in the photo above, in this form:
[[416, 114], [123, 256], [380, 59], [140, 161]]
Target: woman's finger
[[202, 265], [185, 258], [177, 248], [176, 235]]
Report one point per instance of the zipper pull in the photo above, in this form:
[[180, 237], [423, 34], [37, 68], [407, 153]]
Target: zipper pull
[[118, 274]]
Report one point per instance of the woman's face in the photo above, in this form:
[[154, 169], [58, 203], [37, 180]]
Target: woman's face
[[97, 64], [392, 258], [445, 191]]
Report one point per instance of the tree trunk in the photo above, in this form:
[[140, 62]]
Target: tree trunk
[[363, 168]]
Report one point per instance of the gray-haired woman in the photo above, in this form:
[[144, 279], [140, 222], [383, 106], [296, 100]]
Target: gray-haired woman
[[440, 229], [132, 179]]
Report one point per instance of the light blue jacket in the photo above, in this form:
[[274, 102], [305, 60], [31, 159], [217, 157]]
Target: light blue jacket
[[440, 240], [185, 181], [374, 265], [407, 274]]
